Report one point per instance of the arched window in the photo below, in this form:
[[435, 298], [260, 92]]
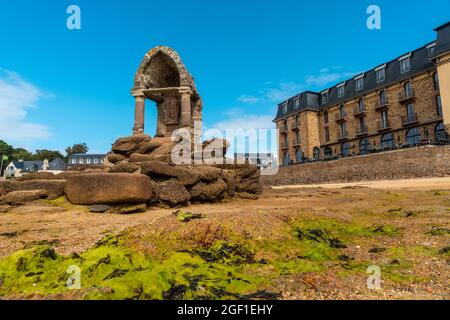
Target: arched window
[[316, 154], [286, 159], [328, 152], [436, 81], [413, 136], [298, 156], [345, 149], [408, 89], [440, 133], [387, 141], [364, 146]]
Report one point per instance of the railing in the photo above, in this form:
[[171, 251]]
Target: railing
[[283, 130], [406, 95], [362, 130], [410, 119], [382, 104], [341, 116], [358, 111], [383, 125], [343, 135]]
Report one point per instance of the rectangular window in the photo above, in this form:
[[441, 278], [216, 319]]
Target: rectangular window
[[297, 103], [341, 91], [431, 50], [74, 161], [285, 107], [81, 161], [405, 65], [343, 130], [359, 83], [381, 75], [439, 105], [410, 112], [327, 134], [324, 97], [88, 161], [95, 160], [384, 119]]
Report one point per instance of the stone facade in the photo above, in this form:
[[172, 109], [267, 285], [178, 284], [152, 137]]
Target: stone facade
[[406, 109], [419, 162]]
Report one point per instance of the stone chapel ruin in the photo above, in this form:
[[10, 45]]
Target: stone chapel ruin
[[163, 78]]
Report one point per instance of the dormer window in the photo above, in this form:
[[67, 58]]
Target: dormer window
[[431, 49], [324, 97], [341, 90], [284, 107], [405, 63], [359, 83], [296, 103], [381, 73]]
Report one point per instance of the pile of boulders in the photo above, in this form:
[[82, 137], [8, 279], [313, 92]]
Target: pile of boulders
[[139, 172]]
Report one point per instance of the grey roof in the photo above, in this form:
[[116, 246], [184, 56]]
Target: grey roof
[[443, 39], [420, 62], [85, 156], [32, 166], [57, 165]]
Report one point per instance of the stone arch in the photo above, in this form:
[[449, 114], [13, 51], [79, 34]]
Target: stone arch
[[168, 60], [163, 78]]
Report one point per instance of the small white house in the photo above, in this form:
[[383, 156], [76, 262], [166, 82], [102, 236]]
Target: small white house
[[16, 169]]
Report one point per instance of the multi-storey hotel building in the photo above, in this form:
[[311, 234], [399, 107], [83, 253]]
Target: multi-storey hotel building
[[402, 103]]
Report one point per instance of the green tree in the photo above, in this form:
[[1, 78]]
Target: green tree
[[6, 149], [21, 154], [79, 148], [50, 155]]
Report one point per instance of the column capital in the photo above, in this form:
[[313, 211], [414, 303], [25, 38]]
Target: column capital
[[137, 93]]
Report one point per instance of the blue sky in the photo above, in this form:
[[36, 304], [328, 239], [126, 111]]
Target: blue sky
[[59, 87]]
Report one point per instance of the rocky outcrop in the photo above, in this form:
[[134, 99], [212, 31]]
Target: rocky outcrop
[[173, 193], [53, 188], [22, 197], [108, 188], [139, 172]]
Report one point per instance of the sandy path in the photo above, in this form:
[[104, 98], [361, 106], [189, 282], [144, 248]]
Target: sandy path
[[422, 183]]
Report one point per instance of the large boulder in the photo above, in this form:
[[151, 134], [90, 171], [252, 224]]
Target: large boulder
[[54, 188], [209, 191], [22, 197], [128, 145], [231, 179], [44, 176], [108, 188], [115, 157], [161, 170], [173, 193], [125, 167], [208, 173], [215, 148]]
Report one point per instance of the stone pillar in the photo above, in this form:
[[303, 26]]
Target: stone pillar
[[139, 113], [186, 115]]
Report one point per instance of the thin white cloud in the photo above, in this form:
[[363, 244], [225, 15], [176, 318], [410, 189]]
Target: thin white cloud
[[285, 90], [16, 96], [246, 125], [249, 99]]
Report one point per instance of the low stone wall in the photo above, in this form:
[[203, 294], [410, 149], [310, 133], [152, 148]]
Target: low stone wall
[[426, 161]]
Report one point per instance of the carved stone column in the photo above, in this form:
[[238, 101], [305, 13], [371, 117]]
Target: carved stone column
[[186, 115], [139, 113]]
